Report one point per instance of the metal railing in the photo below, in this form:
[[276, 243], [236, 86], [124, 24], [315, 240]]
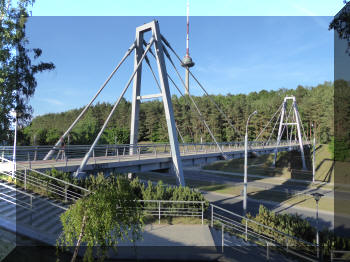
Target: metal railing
[[173, 208], [28, 154], [253, 231], [339, 255], [44, 184], [14, 200]]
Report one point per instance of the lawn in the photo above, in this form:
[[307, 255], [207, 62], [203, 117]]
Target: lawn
[[325, 203], [175, 220], [288, 165]]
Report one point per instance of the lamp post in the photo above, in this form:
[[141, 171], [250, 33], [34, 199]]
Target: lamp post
[[313, 156], [14, 115], [246, 165], [317, 196]]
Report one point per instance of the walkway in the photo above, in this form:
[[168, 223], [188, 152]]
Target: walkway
[[182, 242]]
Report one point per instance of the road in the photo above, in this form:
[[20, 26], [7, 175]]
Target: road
[[235, 203], [237, 179]]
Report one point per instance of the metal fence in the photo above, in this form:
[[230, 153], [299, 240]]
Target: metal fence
[[338, 255], [44, 184], [173, 208], [255, 232], [100, 152]]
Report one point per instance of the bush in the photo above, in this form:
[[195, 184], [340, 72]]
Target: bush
[[296, 226]]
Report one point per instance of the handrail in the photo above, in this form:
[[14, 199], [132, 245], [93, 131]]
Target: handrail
[[267, 227], [48, 176], [20, 191], [172, 201], [143, 145]]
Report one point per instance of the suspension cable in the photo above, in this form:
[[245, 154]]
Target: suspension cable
[[195, 105], [201, 118], [273, 128], [165, 51], [156, 80], [87, 155], [200, 85], [268, 123], [284, 126], [59, 142], [302, 126]]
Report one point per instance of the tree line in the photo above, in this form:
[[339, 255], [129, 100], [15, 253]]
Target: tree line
[[315, 105]]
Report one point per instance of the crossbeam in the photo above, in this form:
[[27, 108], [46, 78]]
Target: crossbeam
[[149, 96]]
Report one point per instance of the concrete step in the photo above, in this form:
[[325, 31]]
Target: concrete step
[[8, 210], [24, 217], [56, 228], [39, 203], [51, 223], [8, 191], [44, 215]]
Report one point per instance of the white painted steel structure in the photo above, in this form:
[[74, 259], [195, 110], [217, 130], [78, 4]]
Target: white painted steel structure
[[286, 121]]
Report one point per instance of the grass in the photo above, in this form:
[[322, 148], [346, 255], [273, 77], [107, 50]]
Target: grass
[[288, 165], [156, 177], [5, 248], [326, 204], [175, 220]]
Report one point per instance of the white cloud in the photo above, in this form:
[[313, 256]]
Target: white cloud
[[51, 101], [317, 19]]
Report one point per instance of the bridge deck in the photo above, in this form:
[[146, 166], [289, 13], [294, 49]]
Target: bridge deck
[[145, 161]]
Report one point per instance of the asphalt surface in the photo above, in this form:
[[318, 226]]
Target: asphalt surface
[[235, 203], [234, 180]]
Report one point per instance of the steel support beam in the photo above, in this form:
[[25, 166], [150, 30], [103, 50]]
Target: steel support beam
[[280, 130], [60, 141], [297, 123], [80, 170], [168, 107], [165, 95], [135, 106], [297, 118]]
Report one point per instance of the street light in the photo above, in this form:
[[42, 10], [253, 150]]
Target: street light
[[317, 196], [313, 156], [246, 165], [13, 113]]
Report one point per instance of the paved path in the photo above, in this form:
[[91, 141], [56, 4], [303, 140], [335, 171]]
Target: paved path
[[184, 242], [228, 178]]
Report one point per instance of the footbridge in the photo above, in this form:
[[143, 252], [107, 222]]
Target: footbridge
[[138, 157], [146, 157]]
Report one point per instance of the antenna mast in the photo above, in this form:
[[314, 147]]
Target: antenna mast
[[187, 60]]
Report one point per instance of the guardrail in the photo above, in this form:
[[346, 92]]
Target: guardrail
[[335, 255], [16, 202], [44, 184], [173, 208], [251, 230], [102, 152]]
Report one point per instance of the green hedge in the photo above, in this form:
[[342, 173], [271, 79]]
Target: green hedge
[[295, 225]]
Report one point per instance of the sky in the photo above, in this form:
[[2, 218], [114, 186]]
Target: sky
[[235, 51]]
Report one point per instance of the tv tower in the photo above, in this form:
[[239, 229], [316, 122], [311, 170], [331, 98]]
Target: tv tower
[[187, 60]]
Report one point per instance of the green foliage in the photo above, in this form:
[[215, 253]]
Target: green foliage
[[315, 106], [295, 225], [341, 24], [17, 73], [339, 148], [163, 192], [115, 135], [52, 136], [86, 130], [111, 213]]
